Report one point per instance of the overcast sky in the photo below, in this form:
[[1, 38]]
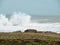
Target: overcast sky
[[34, 7]]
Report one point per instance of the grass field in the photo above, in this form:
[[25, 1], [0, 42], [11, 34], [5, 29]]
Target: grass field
[[29, 35], [29, 38]]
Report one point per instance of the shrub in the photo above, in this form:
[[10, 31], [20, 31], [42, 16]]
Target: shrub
[[31, 30], [17, 32]]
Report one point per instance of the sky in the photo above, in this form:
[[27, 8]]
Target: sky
[[28, 8], [33, 7]]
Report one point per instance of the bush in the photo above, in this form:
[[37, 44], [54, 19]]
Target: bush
[[31, 30], [17, 32]]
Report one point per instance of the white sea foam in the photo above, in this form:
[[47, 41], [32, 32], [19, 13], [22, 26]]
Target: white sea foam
[[22, 21]]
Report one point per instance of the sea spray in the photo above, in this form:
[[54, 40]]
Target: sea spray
[[15, 19], [21, 21]]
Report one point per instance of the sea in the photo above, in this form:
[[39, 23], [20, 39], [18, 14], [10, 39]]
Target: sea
[[21, 22], [46, 18], [47, 22]]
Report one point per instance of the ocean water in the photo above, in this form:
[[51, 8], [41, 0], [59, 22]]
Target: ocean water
[[47, 23], [46, 19], [21, 21]]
